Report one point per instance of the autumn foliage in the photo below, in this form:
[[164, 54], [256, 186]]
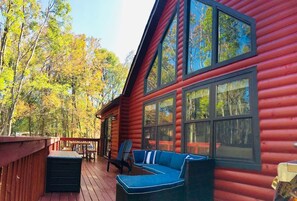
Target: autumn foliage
[[51, 80]]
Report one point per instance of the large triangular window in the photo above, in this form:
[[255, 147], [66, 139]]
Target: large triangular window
[[163, 68]]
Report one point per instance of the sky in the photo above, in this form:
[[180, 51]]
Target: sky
[[118, 23]]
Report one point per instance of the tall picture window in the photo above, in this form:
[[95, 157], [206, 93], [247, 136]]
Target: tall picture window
[[221, 119], [158, 123], [163, 68], [216, 36]]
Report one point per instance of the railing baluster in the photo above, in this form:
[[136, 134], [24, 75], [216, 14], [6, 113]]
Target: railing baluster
[[3, 183], [18, 181]]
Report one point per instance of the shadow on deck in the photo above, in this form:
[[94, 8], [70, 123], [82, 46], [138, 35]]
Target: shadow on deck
[[96, 184]]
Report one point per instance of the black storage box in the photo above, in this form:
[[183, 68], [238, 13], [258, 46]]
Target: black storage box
[[63, 171]]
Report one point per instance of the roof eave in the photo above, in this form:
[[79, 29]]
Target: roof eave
[[143, 46], [115, 102]]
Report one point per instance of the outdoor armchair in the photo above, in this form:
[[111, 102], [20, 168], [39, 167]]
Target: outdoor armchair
[[121, 160]]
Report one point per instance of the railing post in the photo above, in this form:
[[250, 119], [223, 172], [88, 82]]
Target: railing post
[[98, 148]]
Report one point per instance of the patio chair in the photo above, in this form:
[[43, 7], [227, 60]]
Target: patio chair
[[91, 152], [121, 160]]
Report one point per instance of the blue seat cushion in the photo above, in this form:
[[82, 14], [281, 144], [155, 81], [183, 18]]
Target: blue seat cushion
[[160, 169], [148, 183], [165, 158], [177, 161]]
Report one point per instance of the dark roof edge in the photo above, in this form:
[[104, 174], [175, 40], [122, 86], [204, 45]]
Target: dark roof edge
[[143, 46], [115, 102]]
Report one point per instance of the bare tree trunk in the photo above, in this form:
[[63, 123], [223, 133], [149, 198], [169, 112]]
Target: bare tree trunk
[[30, 124]]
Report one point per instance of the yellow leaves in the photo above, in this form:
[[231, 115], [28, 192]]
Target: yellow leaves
[[5, 78], [51, 101], [22, 109]]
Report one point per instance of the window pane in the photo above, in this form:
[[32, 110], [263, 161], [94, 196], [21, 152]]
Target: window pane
[[169, 54], [234, 37], [152, 79], [233, 98], [198, 138], [166, 111], [150, 114], [165, 134], [197, 104], [234, 138], [200, 36], [149, 138]]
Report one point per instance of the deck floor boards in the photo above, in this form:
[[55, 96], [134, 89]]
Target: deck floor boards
[[96, 184]]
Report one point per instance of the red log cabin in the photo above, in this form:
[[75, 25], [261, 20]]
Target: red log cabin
[[216, 78]]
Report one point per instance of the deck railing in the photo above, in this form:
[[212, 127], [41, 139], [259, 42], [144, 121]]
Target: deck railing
[[65, 141], [23, 166]]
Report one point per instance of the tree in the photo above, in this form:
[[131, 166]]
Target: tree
[[52, 81], [24, 22], [113, 75]]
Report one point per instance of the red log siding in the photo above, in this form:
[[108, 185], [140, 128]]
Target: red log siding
[[276, 25], [124, 120], [114, 129], [137, 95]]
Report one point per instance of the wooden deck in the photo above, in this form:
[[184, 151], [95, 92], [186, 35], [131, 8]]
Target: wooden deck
[[96, 184]]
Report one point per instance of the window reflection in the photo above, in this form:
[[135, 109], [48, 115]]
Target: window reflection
[[169, 54], [159, 134], [152, 78], [233, 98], [166, 111], [234, 37], [165, 134], [149, 138], [197, 104], [216, 36], [150, 114], [200, 36], [198, 138], [235, 137]]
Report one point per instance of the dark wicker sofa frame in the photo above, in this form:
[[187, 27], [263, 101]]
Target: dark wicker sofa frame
[[198, 186]]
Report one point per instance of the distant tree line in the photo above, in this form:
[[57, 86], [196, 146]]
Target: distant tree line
[[51, 80]]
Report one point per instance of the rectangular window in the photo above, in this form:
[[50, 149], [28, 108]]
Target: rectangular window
[[234, 138], [198, 137], [198, 126], [221, 119], [233, 98], [158, 124]]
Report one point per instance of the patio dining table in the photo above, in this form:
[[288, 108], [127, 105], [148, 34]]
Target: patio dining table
[[80, 147]]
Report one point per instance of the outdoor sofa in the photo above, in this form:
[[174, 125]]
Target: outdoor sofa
[[167, 176]]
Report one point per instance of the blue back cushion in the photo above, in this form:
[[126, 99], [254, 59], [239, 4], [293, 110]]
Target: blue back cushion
[[158, 154], [165, 158], [189, 158], [138, 156], [177, 161], [150, 157], [197, 157]]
